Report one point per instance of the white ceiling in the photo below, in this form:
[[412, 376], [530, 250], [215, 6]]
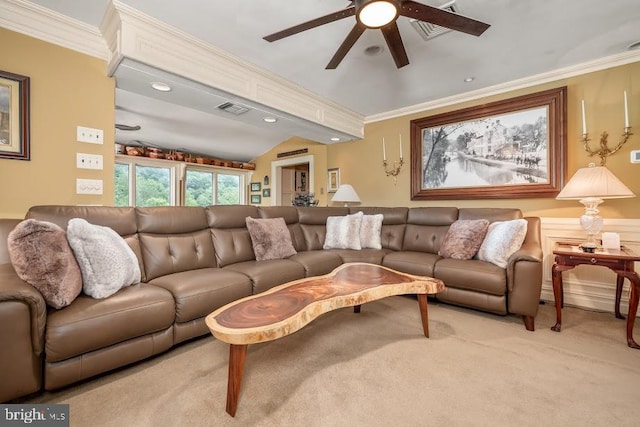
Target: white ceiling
[[526, 38]]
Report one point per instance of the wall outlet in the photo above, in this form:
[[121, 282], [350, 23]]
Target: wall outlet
[[635, 156], [93, 136], [88, 186], [89, 161]]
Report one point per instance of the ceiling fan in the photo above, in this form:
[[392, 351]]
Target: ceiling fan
[[382, 14]]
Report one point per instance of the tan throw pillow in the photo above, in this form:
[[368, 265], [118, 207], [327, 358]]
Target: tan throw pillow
[[343, 232], [105, 259], [270, 238], [463, 239], [370, 231], [503, 239], [41, 256]]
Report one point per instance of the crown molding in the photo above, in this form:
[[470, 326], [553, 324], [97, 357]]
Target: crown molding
[[538, 79], [36, 21]]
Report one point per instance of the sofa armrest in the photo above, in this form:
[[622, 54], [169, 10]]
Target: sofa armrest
[[527, 252], [14, 289]]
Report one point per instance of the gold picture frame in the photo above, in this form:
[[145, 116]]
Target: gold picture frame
[[333, 180]]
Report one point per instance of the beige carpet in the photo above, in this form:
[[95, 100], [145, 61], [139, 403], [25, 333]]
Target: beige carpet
[[377, 369]]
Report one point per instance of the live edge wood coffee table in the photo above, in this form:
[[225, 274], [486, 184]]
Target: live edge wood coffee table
[[287, 308]]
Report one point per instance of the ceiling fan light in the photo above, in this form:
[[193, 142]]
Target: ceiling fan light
[[376, 13]]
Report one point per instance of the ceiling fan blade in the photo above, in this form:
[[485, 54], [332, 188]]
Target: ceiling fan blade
[[396, 47], [336, 16], [443, 18], [346, 45]]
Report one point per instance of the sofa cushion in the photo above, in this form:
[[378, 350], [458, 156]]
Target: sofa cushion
[[343, 232], [105, 259], [371, 256], [267, 274], [472, 274], [370, 231], [503, 239], [270, 237], [412, 262], [41, 256], [199, 292], [91, 324], [317, 263], [463, 239]]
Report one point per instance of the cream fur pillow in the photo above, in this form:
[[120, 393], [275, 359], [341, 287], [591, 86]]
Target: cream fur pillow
[[105, 259], [503, 239], [343, 232], [41, 256], [370, 231]]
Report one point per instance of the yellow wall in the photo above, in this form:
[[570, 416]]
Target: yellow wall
[[360, 162], [68, 89], [319, 151]]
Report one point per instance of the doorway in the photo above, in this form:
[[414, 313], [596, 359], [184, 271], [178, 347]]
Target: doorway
[[289, 177]]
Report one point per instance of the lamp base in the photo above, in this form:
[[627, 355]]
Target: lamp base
[[591, 222]]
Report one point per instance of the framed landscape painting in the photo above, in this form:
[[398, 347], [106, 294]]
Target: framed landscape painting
[[515, 148], [14, 116]]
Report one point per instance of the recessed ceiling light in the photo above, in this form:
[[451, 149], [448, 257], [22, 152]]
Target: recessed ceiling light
[[335, 139], [270, 119], [469, 79], [162, 87]]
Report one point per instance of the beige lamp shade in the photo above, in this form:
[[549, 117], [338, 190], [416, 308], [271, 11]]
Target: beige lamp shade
[[594, 181], [346, 194]]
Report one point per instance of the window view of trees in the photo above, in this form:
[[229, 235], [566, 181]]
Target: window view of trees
[[156, 185], [228, 189], [153, 186], [122, 185], [199, 188]]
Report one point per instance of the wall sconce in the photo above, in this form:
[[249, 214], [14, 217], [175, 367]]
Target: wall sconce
[[266, 180], [397, 166], [604, 150]]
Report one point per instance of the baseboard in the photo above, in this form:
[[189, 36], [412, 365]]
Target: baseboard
[[586, 286]]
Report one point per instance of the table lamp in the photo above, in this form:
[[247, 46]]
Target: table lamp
[[346, 194], [591, 185]]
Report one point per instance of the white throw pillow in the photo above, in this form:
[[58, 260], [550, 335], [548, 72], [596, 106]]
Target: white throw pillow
[[503, 239], [106, 261], [370, 231], [343, 232]]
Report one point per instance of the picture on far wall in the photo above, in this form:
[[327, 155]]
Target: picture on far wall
[[333, 180], [255, 186], [506, 149], [266, 192], [255, 199], [14, 116]]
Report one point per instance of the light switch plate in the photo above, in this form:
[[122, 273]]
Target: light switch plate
[[635, 156], [88, 186], [90, 135], [89, 161]]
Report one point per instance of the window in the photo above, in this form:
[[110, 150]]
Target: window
[[228, 192], [152, 182], [153, 186]]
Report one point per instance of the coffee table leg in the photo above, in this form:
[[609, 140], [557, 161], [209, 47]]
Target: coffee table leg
[[422, 302], [356, 308], [237, 355]]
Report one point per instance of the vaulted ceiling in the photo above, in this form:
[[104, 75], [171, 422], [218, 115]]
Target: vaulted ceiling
[[527, 42]]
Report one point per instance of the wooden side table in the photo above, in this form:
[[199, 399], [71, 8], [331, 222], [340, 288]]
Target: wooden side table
[[621, 261]]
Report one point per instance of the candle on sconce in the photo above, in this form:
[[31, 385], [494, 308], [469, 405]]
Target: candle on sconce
[[626, 111], [584, 120], [384, 151], [401, 144]]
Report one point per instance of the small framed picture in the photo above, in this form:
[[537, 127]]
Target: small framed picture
[[266, 192], [333, 180], [255, 199], [255, 186]]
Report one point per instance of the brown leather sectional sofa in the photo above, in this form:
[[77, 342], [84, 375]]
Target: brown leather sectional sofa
[[194, 260]]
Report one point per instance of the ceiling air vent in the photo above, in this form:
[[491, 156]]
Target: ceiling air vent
[[232, 108], [427, 30]]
